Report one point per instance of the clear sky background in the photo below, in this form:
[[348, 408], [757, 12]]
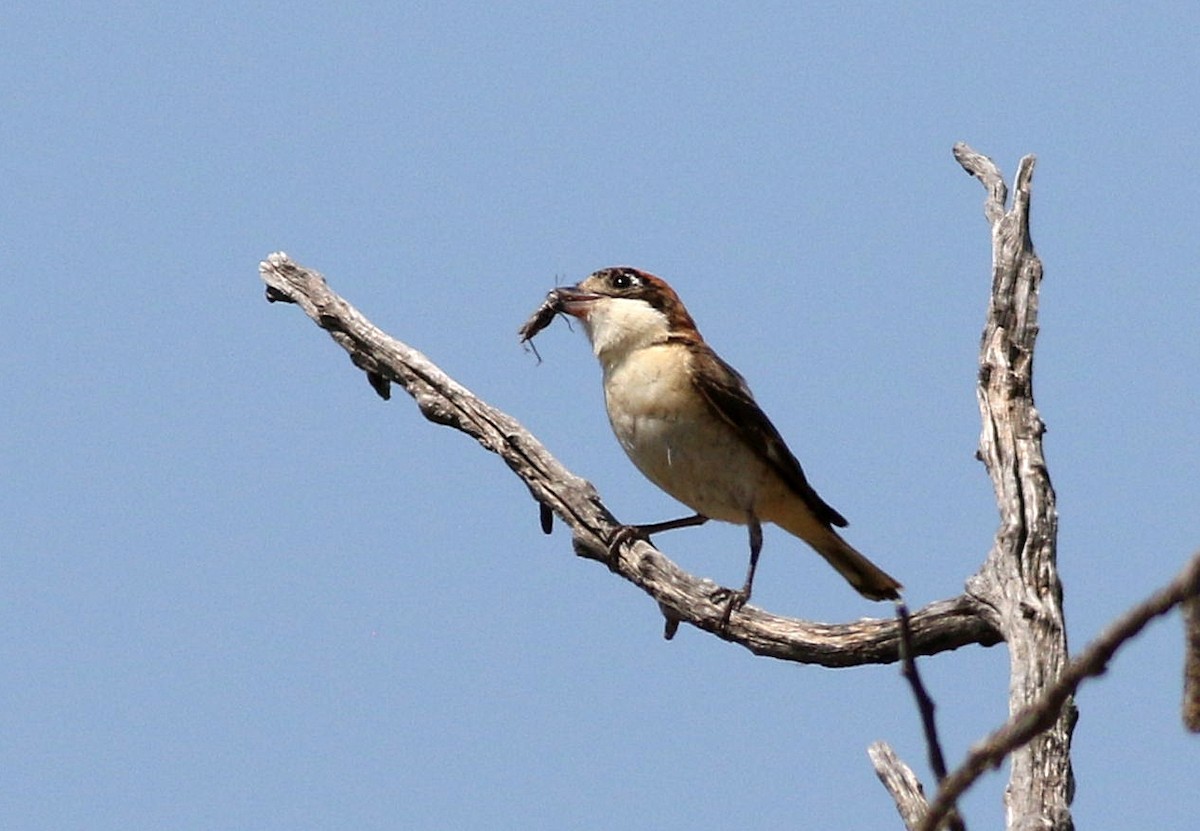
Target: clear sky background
[[237, 590]]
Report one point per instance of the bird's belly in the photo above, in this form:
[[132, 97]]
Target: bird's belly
[[696, 458]]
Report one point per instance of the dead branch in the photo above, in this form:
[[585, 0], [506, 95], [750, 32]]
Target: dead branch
[[1191, 665], [940, 626], [1019, 579], [900, 781], [1043, 713]]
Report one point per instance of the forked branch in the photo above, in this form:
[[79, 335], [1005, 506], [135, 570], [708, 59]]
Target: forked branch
[[1019, 580]]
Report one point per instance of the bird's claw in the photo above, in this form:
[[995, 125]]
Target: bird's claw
[[625, 534], [734, 599]]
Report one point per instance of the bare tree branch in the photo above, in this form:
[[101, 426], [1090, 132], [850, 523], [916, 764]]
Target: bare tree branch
[[1019, 579], [940, 626], [1043, 713], [900, 782], [1016, 596], [1191, 665]]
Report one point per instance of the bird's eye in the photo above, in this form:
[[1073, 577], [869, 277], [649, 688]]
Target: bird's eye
[[623, 280]]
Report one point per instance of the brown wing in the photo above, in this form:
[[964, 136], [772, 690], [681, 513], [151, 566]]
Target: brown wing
[[729, 395]]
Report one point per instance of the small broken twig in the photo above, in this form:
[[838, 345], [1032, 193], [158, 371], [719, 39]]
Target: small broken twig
[[900, 781]]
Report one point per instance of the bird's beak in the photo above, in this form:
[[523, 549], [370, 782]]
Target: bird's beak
[[575, 301]]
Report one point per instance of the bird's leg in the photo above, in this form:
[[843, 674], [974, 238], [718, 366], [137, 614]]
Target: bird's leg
[[737, 599], [626, 533]]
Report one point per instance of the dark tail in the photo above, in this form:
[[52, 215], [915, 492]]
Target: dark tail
[[868, 579]]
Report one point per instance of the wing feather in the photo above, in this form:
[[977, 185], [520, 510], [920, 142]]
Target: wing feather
[[727, 392]]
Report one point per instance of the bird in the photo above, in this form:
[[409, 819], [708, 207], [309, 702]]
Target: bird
[[688, 421]]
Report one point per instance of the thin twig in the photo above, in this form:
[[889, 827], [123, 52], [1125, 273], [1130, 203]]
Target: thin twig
[[1032, 720], [925, 706]]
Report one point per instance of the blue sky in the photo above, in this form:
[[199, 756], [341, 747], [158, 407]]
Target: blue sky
[[239, 591]]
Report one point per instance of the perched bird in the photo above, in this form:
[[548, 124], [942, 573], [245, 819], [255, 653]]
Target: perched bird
[[688, 422]]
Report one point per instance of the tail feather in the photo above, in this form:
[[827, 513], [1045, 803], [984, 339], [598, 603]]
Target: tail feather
[[868, 579]]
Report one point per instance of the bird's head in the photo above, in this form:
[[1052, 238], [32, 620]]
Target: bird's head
[[624, 309]]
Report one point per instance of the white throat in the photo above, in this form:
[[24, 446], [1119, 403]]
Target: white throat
[[618, 326]]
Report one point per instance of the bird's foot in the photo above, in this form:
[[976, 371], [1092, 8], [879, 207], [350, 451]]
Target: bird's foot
[[625, 534], [629, 533], [734, 599]]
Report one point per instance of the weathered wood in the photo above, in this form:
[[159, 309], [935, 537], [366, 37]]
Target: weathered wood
[[1043, 714], [940, 626], [1191, 664], [1019, 580], [1016, 596], [900, 781]]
